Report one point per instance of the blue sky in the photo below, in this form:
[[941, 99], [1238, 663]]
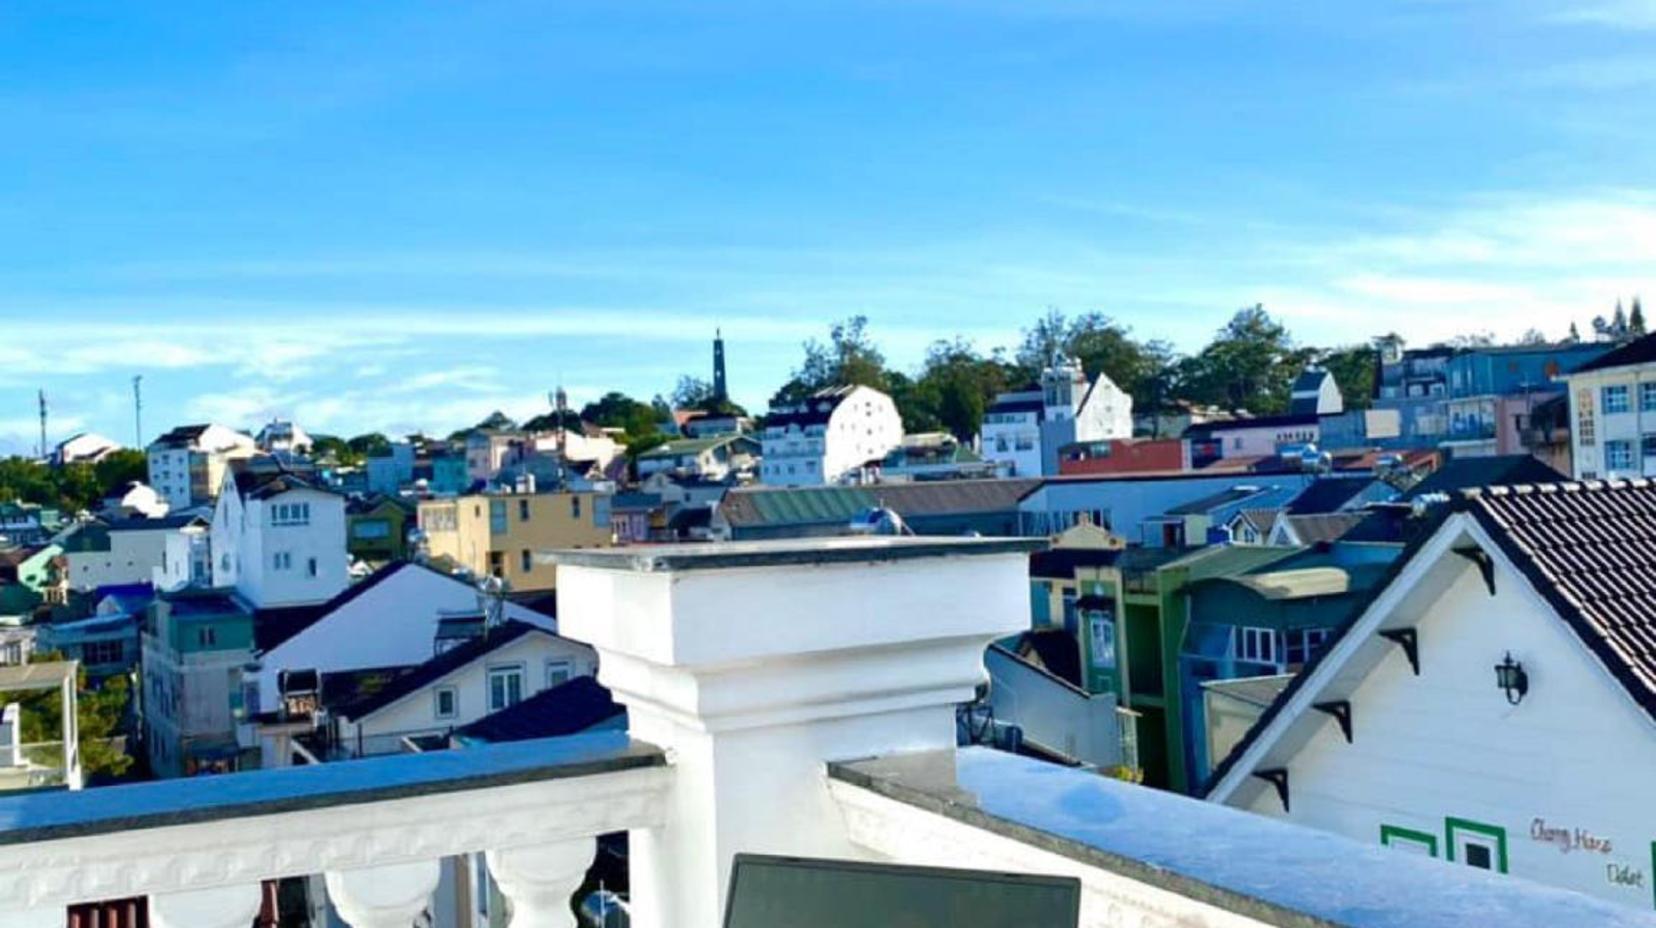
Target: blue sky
[[400, 216]]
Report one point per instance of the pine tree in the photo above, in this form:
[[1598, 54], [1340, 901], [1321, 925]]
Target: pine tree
[[1635, 319], [1575, 335], [1618, 322]]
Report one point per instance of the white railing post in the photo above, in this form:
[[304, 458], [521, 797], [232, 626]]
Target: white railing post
[[232, 906], [389, 896], [753, 665], [539, 880]]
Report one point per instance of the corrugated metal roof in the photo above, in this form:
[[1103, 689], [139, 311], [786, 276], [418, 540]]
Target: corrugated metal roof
[[753, 506]]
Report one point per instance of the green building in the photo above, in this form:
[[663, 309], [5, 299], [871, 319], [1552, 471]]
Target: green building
[[195, 646], [376, 529]]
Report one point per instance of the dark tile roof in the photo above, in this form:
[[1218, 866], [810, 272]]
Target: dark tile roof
[[1326, 495], [272, 627], [748, 506], [252, 484], [1060, 563], [565, 709], [182, 436], [440, 666], [1637, 351], [1033, 404], [1496, 470], [816, 410]]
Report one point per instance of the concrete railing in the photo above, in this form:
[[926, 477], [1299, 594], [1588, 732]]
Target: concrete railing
[[376, 830]]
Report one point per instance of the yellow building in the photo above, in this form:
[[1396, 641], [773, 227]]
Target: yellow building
[[501, 533]]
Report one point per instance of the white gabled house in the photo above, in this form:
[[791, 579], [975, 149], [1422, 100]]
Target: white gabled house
[[1494, 705], [828, 436], [1023, 430], [278, 538]]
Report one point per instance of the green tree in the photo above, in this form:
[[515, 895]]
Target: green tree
[[1636, 319], [1354, 368], [1103, 346], [120, 468], [849, 357], [956, 385], [98, 715], [692, 393], [616, 410], [1250, 364]]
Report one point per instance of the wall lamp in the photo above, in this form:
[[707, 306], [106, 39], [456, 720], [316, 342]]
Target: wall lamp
[[1510, 677]]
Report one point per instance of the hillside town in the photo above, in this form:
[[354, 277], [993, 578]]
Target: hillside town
[[1398, 594]]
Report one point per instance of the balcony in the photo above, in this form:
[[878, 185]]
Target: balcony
[[793, 698]]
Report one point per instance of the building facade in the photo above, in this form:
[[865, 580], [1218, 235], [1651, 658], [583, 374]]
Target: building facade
[[195, 646], [187, 465], [1613, 413], [279, 539], [1024, 431], [500, 534]]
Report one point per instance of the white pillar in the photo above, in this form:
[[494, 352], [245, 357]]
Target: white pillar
[[233, 906], [754, 664], [539, 881], [389, 896]]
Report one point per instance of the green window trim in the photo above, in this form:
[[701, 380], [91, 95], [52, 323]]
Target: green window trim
[[1493, 832], [1388, 832]]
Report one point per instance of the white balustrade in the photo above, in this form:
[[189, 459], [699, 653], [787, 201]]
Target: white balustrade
[[539, 880], [390, 896], [231, 906]]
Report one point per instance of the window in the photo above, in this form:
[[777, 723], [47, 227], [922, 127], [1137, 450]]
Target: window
[[523, 510], [1615, 399], [1647, 396], [103, 652], [1647, 446], [447, 700], [526, 561], [505, 687], [290, 514], [310, 567], [371, 529], [1618, 455], [575, 506], [1071, 623], [558, 673], [497, 516], [497, 563], [283, 560], [1476, 844], [1303, 645], [1584, 417], [1258, 645], [207, 636], [1409, 841], [1101, 636]]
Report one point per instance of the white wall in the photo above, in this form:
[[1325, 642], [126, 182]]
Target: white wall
[[416, 713], [1014, 443], [1577, 753], [133, 557], [391, 624], [246, 545], [1592, 460]]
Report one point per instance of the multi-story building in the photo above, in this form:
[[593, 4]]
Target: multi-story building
[[187, 465], [1024, 430], [1613, 413], [377, 528], [833, 433], [713, 457], [1493, 392], [83, 448], [278, 538], [169, 553], [27, 524], [500, 534], [195, 646]]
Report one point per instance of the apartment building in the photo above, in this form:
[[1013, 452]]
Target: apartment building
[[500, 533]]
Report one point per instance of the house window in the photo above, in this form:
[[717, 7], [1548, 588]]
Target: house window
[[103, 652], [207, 636], [1615, 399], [523, 510], [1071, 623], [310, 567], [1647, 446], [526, 561], [1647, 396], [575, 507], [1409, 841], [497, 563], [497, 516], [1258, 645], [505, 687], [1618, 456], [290, 514], [1476, 844], [1303, 645], [447, 700], [283, 560], [558, 673], [1101, 638], [1584, 417]]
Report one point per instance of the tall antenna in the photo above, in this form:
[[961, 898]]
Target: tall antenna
[[42, 394], [138, 411]]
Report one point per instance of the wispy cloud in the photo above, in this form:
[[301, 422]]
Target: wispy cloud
[[1620, 14]]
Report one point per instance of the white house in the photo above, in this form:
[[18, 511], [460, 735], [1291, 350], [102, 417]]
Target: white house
[[712, 457], [828, 436], [279, 539], [135, 499], [1023, 430], [507, 665], [1493, 706], [1315, 393], [187, 465], [284, 435], [169, 553], [1613, 413], [84, 447]]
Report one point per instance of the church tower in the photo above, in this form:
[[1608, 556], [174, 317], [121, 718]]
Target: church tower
[[719, 394]]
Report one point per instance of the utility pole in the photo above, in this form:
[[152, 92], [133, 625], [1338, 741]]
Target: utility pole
[[138, 412], [42, 395]]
